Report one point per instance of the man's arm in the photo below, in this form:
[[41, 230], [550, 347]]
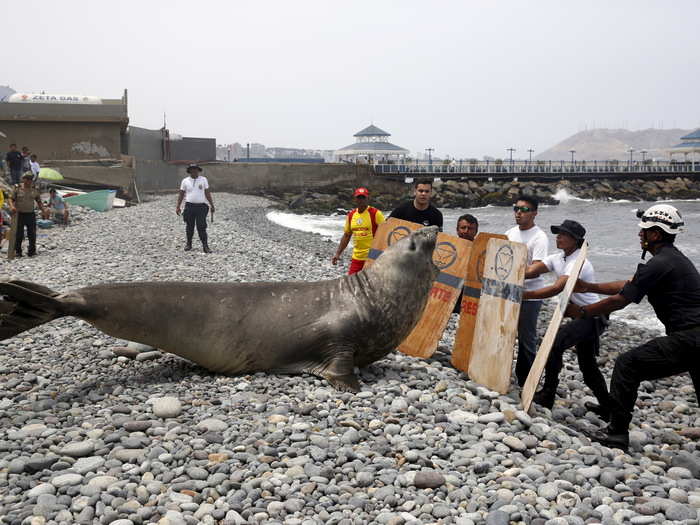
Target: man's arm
[[609, 288], [547, 291], [341, 247], [207, 194], [180, 196], [536, 269], [604, 307]]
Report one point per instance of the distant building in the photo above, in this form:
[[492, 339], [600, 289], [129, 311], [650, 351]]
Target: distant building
[[689, 144], [371, 145]]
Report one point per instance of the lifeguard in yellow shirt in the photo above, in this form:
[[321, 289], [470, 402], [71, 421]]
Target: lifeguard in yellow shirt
[[361, 223]]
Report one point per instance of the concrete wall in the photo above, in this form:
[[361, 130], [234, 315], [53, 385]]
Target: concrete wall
[[193, 149], [144, 143], [65, 112], [64, 140]]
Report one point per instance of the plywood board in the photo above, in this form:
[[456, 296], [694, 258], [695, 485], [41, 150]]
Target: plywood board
[[497, 318], [461, 353], [13, 237], [545, 348], [451, 256]]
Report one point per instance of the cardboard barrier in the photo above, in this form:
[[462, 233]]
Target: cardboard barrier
[[497, 319], [451, 256], [13, 237], [461, 353], [545, 348]]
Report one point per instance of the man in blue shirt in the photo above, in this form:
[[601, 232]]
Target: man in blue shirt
[[14, 161]]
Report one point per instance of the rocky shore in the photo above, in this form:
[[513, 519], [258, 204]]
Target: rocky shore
[[96, 430], [473, 193]]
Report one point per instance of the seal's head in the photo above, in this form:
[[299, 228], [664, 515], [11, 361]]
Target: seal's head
[[412, 256]]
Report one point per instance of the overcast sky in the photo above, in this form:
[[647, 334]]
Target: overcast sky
[[468, 78]]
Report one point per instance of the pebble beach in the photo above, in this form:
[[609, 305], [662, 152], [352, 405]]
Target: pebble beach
[[99, 430]]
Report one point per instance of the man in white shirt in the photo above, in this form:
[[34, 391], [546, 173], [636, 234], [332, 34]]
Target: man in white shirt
[[35, 168], [582, 333], [528, 233], [194, 189]]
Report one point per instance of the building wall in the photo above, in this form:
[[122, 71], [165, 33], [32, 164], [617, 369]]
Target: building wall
[[144, 143], [193, 149], [64, 140]]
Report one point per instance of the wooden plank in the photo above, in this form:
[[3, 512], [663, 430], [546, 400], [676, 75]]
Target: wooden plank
[[497, 318], [545, 348], [461, 353], [13, 237], [451, 256]]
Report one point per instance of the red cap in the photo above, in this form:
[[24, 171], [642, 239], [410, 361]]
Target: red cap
[[361, 191]]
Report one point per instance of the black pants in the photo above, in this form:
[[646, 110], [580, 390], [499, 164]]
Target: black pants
[[195, 214], [584, 334], [27, 220], [661, 357]]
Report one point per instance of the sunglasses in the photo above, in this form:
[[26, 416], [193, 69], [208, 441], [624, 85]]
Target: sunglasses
[[523, 209]]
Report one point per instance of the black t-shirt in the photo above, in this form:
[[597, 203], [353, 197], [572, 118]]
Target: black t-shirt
[[14, 159], [430, 216], [672, 284]]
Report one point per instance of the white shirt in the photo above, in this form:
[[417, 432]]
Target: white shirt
[[194, 189], [561, 265], [537, 244], [35, 168]]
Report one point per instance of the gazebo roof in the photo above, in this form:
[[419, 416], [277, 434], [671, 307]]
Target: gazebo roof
[[694, 135], [372, 131], [372, 148], [693, 145]]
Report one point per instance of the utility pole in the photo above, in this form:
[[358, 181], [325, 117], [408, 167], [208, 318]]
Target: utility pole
[[511, 150], [430, 156], [531, 151]]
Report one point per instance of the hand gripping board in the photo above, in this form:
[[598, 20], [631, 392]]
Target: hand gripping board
[[545, 348], [497, 319]]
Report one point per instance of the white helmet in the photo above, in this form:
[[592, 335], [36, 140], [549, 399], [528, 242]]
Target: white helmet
[[664, 216]]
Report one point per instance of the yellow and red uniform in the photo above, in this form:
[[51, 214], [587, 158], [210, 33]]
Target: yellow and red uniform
[[362, 227]]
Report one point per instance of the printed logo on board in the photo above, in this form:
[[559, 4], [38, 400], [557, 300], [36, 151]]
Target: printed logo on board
[[397, 234], [445, 255], [503, 262]]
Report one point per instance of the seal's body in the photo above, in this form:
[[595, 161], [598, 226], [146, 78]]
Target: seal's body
[[324, 328]]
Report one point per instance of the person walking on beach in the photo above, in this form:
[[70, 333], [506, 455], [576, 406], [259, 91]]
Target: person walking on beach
[[22, 201], [526, 232], [361, 225], [671, 283], [14, 162], [584, 334], [419, 209], [194, 189]]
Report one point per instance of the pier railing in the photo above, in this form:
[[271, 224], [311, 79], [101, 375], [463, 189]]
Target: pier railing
[[537, 169]]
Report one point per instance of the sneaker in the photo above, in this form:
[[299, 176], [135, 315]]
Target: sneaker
[[601, 412], [608, 439], [206, 248], [188, 247]]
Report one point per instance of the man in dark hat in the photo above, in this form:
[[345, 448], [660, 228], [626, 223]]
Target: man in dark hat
[[194, 189], [360, 223], [582, 333]]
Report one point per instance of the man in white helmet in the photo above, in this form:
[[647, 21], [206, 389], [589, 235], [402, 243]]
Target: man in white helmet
[[671, 283]]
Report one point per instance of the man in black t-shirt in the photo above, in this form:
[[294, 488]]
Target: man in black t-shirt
[[419, 210], [14, 162], [671, 283]]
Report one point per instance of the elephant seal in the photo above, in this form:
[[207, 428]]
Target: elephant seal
[[323, 328]]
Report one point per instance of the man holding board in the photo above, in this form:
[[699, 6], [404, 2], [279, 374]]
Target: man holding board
[[582, 333]]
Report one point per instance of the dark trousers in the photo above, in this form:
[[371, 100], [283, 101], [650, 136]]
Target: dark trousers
[[15, 175], [527, 339], [661, 357], [195, 214], [584, 335], [27, 220]]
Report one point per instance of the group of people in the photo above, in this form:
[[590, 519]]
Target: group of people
[[24, 199], [669, 280]]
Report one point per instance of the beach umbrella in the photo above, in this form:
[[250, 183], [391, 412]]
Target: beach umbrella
[[49, 174]]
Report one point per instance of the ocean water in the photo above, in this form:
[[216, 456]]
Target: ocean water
[[611, 228]]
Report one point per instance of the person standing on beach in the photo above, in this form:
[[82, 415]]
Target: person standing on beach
[[420, 210], [671, 283], [22, 201], [526, 232], [584, 334], [14, 162], [360, 224], [194, 189], [34, 167], [467, 229]]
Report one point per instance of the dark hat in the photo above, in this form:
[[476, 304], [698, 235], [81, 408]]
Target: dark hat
[[573, 228], [193, 167]]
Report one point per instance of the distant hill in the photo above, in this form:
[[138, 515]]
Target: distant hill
[[609, 144]]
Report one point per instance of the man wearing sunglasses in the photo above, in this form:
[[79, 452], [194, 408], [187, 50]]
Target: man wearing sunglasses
[[535, 239]]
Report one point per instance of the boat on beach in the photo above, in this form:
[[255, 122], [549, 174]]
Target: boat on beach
[[99, 200]]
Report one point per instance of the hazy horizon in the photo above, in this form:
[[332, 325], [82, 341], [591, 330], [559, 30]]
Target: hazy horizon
[[467, 79]]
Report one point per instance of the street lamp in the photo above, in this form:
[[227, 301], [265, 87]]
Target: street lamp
[[511, 150], [573, 165], [631, 150], [531, 151], [644, 155], [430, 156]]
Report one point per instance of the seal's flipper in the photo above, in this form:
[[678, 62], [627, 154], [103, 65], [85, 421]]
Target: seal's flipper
[[339, 372], [25, 305]]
